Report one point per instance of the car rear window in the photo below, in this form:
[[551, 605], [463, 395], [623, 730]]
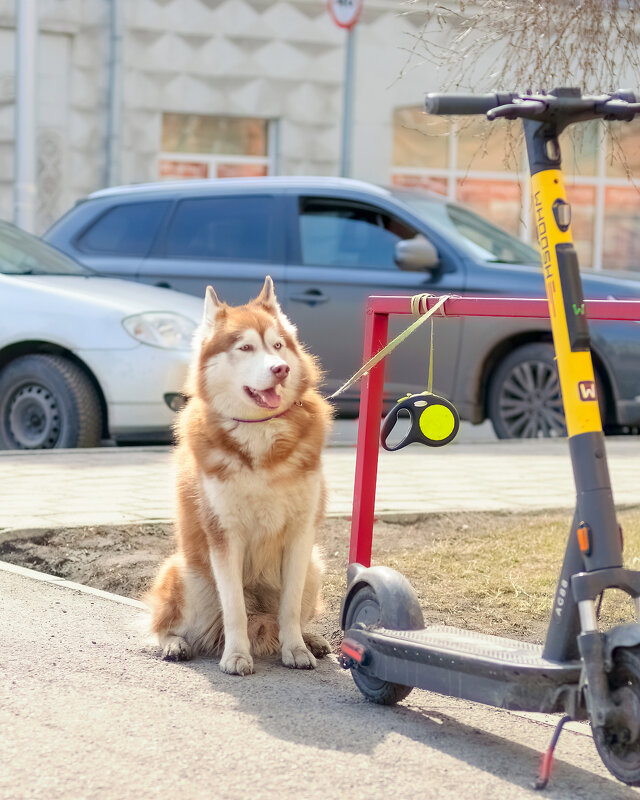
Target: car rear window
[[239, 228], [125, 230]]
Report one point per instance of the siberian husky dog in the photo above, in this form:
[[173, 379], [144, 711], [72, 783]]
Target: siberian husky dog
[[245, 577]]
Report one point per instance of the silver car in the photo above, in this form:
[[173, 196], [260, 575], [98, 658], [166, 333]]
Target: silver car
[[329, 243]]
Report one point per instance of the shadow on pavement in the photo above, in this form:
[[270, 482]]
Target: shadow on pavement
[[323, 709]]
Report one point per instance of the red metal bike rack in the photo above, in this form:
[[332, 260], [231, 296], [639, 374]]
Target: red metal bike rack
[[375, 338]]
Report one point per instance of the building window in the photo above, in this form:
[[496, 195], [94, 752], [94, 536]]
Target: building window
[[200, 146], [483, 165], [419, 141]]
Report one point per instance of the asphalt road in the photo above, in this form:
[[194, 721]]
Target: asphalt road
[[88, 710]]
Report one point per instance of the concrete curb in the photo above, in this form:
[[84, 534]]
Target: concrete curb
[[45, 577]]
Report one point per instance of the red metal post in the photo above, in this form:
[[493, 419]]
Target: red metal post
[[364, 495]]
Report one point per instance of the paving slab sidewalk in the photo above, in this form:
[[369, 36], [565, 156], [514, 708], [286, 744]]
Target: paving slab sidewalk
[[106, 486]]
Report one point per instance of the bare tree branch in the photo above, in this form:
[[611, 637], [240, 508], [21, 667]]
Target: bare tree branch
[[536, 44]]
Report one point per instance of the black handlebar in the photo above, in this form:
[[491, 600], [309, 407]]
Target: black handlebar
[[466, 103], [566, 104]]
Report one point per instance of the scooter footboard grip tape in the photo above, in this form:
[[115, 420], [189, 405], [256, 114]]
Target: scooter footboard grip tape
[[465, 103]]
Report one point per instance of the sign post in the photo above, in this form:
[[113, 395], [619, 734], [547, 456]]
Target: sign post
[[345, 14]]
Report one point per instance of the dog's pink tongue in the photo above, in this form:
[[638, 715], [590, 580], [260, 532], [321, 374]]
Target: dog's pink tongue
[[269, 397]]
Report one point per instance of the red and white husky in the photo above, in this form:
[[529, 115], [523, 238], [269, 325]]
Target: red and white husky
[[245, 578]]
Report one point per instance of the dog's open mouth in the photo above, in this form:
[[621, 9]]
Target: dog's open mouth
[[265, 398]]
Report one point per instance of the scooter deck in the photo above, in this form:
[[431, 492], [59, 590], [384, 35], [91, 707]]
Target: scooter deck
[[475, 666]]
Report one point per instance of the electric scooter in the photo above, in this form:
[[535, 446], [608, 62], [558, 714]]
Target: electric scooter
[[580, 671]]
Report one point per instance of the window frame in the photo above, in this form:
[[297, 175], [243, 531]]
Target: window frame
[[270, 160]]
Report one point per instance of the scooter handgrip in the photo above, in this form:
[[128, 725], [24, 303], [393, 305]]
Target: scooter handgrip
[[465, 103]]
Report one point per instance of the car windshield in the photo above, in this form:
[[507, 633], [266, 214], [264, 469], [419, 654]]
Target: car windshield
[[24, 254], [482, 239]]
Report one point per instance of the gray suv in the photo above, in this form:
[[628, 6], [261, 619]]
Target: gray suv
[[328, 243]]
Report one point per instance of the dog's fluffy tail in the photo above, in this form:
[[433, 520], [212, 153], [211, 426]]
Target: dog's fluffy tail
[[263, 632], [262, 629]]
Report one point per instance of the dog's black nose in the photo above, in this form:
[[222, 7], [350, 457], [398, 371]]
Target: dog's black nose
[[280, 371]]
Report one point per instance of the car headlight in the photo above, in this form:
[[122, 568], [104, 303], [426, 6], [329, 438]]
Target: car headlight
[[161, 329]]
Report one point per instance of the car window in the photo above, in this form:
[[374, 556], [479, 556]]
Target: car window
[[24, 254], [480, 237], [340, 233], [125, 230], [229, 228]]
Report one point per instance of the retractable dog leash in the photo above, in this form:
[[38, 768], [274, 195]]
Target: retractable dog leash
[[434, 421]]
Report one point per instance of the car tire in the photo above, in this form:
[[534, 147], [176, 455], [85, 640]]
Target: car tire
[[47, 401], [524, 399]]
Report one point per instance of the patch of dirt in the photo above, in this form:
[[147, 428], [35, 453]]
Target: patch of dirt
[[122, 560], [486, 571]]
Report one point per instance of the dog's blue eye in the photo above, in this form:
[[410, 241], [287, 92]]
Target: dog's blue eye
[[277, 345], [246, 348]]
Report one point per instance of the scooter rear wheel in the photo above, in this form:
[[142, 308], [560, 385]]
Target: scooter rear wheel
[[364, 609], [620, 755]]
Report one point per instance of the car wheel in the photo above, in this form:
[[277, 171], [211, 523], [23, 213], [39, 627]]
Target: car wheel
[[524, 400], [524, 395], [47, 401]]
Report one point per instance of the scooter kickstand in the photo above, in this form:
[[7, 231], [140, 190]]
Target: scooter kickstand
[[545, 767]]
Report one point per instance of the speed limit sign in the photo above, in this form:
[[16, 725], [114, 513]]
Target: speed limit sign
[[345, 13]]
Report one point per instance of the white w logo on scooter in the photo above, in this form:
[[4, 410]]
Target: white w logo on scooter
[[587, 390]]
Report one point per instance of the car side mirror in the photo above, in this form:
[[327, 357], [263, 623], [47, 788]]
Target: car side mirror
[[416, 254]]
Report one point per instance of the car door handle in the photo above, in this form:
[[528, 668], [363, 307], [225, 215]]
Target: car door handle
[[163, 284], [311, 297]]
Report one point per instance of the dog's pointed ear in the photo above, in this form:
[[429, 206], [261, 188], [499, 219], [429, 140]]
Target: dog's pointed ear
[[268, 300], [212, 306], [267, 296]]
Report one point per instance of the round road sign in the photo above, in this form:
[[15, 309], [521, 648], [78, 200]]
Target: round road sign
[[345, 13]]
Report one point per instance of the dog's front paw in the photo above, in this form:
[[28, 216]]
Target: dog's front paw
[[298, 657], [177, 649], [318, 645], [236, 663]]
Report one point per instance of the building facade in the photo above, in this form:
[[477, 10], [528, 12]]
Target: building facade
[[142, 90]]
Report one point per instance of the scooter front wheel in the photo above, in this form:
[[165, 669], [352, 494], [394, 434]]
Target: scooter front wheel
[[364, 609], [619, 747]]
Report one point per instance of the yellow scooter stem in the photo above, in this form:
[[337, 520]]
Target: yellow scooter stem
[[568, 322]]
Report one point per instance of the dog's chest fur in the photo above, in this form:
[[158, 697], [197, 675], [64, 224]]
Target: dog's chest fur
[[266, 495]]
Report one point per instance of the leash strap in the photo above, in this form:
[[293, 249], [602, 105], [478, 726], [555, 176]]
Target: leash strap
[[418, 302], [430, 378]]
